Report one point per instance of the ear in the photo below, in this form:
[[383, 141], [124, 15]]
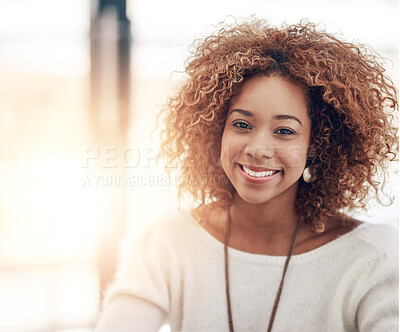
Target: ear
[[311, 153]]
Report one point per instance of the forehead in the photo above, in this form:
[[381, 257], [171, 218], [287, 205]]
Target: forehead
[[271, 95]]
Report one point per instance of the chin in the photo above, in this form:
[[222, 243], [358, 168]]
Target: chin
[[255, 199]]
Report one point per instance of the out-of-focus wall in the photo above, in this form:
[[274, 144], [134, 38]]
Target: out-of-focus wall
[[48, 221]]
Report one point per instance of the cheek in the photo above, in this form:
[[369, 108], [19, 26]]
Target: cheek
[[230, 147], [293, 156]]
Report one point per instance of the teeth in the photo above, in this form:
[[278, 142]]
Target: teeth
[[258, 174]]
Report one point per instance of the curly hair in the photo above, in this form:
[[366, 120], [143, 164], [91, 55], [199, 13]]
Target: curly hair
[[351, 107]]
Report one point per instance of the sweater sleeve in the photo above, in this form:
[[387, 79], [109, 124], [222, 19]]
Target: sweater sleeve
[[138, 300], [378, 308], [374, 289]]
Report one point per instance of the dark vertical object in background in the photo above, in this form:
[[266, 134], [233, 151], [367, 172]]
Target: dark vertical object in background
[[110, 54], [109, 112]]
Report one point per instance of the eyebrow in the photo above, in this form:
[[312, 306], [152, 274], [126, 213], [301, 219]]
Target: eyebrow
[[277, 117], [288, 117], [243, 112]]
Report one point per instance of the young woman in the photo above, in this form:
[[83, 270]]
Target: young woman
[[277, 133]]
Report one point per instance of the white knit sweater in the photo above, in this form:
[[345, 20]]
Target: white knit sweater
[[174, 272]]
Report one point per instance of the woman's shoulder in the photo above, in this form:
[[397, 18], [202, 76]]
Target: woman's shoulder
[[379, 237], [383, 238], [353, 241], [160, 237], [168, 228], [172, 221], [368, 242]]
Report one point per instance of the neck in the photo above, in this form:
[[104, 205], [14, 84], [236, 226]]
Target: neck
[[263, 228]]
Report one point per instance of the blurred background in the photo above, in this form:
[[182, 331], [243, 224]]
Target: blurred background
[[81, 84]]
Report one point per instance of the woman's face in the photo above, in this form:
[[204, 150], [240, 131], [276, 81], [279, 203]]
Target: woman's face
[[265, 139]]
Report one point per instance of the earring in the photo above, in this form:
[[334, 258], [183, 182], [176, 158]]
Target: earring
[[319, 227], [308, 175]]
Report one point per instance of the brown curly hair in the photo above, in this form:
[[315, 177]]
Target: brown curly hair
[[351, 106]]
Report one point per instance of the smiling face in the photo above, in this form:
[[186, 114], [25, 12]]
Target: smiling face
[[265, 140]]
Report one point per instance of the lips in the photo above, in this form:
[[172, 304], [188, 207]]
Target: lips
[[256, 174], [259, 174]]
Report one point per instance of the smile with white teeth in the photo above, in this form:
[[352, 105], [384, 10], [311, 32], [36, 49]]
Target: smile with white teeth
[[258, 174]]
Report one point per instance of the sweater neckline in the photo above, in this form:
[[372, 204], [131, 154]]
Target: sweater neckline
[[263, 259]]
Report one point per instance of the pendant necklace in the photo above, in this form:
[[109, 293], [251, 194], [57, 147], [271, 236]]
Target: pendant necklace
[[278, 294]]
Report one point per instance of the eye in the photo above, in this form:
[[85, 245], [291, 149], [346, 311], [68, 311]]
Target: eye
[[241, 125], [285, 131]]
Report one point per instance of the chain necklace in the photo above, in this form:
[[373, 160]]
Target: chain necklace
[[278, 294]]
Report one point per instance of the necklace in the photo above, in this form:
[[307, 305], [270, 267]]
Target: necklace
[[278, 294]]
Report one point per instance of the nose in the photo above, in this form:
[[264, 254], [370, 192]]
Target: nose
[[260, 147]]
